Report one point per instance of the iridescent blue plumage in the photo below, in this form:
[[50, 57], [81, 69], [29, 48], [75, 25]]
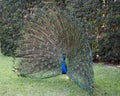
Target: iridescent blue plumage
[[64, 66]]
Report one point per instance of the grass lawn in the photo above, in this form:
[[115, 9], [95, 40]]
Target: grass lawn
[[107, 83]]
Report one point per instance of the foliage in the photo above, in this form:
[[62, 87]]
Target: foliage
[[110, 33], [13, 13], [11, 22]]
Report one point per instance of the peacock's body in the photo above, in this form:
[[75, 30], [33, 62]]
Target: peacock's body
[[47, 35]]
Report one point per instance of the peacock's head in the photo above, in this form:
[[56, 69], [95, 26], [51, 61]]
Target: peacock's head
[[63, 56]]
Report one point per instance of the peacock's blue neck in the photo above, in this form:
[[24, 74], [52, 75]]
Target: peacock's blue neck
[[63, 60], [63, 57]]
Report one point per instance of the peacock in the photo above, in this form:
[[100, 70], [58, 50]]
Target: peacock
[[52, 44]]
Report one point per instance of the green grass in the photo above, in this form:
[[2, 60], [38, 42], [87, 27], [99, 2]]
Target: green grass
[[107, 83]]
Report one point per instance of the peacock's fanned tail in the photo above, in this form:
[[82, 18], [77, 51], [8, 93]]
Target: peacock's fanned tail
[[47, 34]]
